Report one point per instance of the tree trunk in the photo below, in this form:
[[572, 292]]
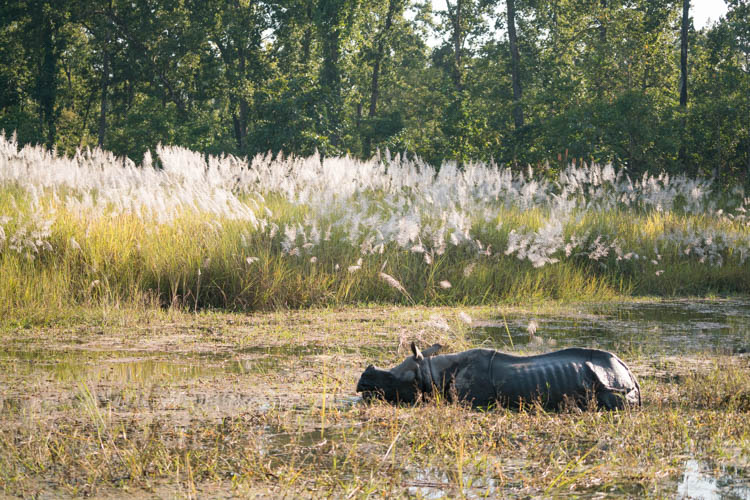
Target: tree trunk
[[103, 109], [237, 130], [244, 114], [455, 13], [682, 154], [90, 100], [330, 81], [47, 82], [684, 53], [104, 86], [514, 65], [307, 41], [379, 55], [240, 126]]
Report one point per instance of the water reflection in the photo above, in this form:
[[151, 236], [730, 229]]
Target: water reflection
[[143, 367], [78, 365], [698, 483], [433, 484], [138, 367], [666, 327]]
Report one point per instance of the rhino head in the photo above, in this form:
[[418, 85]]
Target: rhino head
[[401, 384]]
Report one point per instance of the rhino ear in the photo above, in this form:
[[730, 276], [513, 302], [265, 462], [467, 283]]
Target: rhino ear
[[432, 350], [417, 354]]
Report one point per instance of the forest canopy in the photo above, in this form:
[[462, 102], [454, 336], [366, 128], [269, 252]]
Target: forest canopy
[[627, 82]]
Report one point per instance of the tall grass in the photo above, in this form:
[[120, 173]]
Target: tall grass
[[192, 231]]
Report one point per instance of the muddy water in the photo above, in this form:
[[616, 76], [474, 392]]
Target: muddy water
[[173, 385], [134, 367], [126, 366], [668, 327], [432, 484]]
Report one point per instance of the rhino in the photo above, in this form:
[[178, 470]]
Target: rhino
[[578, 377]]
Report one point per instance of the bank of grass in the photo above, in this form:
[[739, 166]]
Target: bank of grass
[[195, 232], [297, 436], [200, 261]]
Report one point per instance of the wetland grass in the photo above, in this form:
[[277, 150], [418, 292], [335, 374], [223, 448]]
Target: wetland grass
[[292, 428]]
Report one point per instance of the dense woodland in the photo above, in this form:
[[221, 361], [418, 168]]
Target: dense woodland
[[519, 82]]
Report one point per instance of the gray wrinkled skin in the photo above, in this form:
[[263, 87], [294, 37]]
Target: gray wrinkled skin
[[483, 377]]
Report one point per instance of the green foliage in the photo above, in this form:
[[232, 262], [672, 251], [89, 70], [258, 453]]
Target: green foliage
[[600, 80]]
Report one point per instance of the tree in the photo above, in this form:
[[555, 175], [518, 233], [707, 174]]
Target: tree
[[41, 29], [718, 132], [333, 19], [463, 24], [95, 18], [590, 79], [514, 64], [395, 8], [684, 53], [236, 29]]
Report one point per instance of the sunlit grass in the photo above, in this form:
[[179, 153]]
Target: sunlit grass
[[220, 232]]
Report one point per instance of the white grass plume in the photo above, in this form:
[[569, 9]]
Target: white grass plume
[[394, 283]]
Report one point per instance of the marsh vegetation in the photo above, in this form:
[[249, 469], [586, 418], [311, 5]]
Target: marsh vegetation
[[216, 404], [190, 319]]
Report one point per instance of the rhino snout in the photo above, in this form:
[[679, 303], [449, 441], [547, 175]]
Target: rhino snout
[[361, 386]]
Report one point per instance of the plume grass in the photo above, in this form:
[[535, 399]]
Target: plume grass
[[183, 230]]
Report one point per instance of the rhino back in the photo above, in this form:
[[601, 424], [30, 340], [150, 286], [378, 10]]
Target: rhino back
[[483, 376], [547, 379]]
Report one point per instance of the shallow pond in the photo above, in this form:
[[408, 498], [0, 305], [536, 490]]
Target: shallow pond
[[666, 327], [129, 367], [143, 367], [701, 480]]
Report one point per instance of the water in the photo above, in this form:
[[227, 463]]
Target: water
[[666, 327], [212, 383], [136, 367], [432, 484], [127, 367], [700, 481]]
